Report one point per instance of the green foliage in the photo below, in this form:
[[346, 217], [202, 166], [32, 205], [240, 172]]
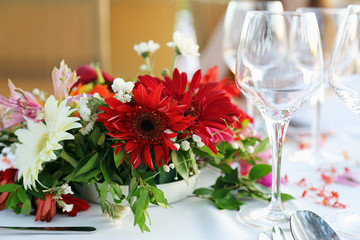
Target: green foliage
[[229, 188]]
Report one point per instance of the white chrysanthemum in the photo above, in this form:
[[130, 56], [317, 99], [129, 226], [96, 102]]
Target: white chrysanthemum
[[146, 47], [183, 45], [39, 141], [122, 89]]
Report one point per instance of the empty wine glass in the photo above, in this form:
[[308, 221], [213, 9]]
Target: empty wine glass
[[233, 22], [279, 68], [344, 79], [329, 21]]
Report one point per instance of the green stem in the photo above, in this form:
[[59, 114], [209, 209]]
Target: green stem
[[68, 158], [173, 62], [148, 65]]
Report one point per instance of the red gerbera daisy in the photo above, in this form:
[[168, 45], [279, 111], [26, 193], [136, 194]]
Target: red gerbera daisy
[[144, 124], [208, 104]]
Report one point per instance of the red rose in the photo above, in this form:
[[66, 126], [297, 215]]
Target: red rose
[[7, 176], [79, 204], [46, 209]]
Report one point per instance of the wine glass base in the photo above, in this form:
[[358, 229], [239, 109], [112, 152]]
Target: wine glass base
[[316, 157], [345, 222], [259, 216]]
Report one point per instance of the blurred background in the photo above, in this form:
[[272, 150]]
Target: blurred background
[[37, 34]]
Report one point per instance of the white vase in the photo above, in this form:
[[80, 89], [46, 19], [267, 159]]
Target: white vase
[[173, 191]]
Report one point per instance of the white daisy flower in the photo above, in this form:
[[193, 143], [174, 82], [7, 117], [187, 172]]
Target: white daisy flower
[[183, 45], [39, 141], [146, 47]]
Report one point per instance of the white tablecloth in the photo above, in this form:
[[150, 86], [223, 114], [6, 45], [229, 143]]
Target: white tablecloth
[[195, 218]]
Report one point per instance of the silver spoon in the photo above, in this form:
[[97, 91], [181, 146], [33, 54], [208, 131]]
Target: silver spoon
[[308, 225], [277, 233]]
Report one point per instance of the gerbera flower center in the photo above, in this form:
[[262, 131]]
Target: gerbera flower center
[[148, 126], [42, 143], [194, 109]]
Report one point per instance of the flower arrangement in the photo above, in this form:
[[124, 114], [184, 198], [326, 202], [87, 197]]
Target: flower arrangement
[[100, 129]]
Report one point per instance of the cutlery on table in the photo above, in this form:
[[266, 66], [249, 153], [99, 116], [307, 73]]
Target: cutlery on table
[[49, 230], [277, 233], [308, 225]]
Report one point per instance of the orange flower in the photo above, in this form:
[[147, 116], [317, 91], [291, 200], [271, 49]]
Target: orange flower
[[46, 209], [102, 90]]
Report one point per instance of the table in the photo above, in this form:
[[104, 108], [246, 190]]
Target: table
[[195, 218]]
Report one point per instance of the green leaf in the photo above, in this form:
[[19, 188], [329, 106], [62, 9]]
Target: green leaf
[[232, 177], [286, 197], [10, 187], [94, 136], [86, 177], [207, 150], [259, 171], [263, 145], [101, 139], [26, 207], [119, 157], [228, 203], [22, 194], [117, 190], [159, 196], [140, 206], [202, 191], [181, 165], [103, 190], [220, 193], [262, 188], [91, 164]]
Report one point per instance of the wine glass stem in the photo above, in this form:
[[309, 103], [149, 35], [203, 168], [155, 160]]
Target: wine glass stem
[[315, 127], [276, 131]]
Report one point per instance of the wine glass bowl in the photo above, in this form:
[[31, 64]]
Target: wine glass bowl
[[344, 79], [279, 68], [233, 23], [328, 21]]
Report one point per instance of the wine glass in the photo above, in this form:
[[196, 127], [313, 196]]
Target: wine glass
[[279, 68], [344, 79], [233, 22], [329, 21]]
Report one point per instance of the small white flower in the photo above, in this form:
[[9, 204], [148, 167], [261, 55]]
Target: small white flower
[[97, 95], [166, 168], [84, 110], [250, 149], [68, 207], [200, 144], [168, 131], [66, 189], [36, 92], [122, 89], [85, 130], [171, 165], [185, 145], [235, 145], [146, 47], [143, 67], [196, 138], [183, 45], [177, 146], [191, 173]]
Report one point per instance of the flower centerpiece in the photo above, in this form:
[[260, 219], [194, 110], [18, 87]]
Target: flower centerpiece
[[105, 130]]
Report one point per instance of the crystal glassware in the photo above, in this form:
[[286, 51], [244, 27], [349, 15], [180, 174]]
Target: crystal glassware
[[233, 22], [279, 68], [344, 79], [329, 21]]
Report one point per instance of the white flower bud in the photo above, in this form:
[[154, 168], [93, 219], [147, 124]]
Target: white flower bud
[[185, 145], [250, 149], [196, 138], [166, 168], [177, 146]]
